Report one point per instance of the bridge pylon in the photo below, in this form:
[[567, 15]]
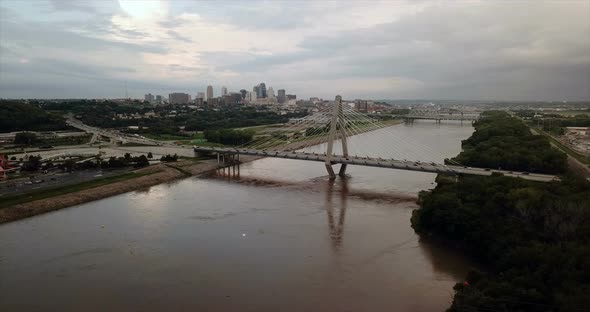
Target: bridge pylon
[[337, 125]]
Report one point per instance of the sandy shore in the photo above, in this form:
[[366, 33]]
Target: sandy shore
[[153, 175]]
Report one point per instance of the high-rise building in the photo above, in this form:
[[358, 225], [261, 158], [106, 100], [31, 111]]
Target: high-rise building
[[179, 98], [200, 95], [209, 92], [256, 91], [281, 97], [232, 98], [262, 90], [361, 105], [291, 99], [243, 92], [223, 91], [149, 98], [159, 99], [212, 102], [271, 93]]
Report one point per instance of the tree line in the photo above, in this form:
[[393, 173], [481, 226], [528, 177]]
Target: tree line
[[504, 142], [229, 136], [20, 116], [532, 237]]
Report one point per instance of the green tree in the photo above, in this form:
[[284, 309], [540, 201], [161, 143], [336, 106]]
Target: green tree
[[25, 138], [141, 161], [32, 164]]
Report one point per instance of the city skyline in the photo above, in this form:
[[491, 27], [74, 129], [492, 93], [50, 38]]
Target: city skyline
[[381, 50]]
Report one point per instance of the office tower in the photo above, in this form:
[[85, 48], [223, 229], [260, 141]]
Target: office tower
[[159, 99], [262, 90], [209, 92], [281, 97], [179, 98], [256, 91], [223, 91], [243, 92], [149, 98], [361, 105]]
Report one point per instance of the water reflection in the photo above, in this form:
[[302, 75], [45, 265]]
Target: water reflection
[[445, 261], [336, 227]]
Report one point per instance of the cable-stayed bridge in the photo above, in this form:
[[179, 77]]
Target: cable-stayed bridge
[[325, 136]]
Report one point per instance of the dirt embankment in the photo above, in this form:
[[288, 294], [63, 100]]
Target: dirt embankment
[[153, 175]]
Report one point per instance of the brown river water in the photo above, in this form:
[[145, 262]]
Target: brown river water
[[282, 237]]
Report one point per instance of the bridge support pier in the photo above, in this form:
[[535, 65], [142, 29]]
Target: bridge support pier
[[342, 172], [337, 125], [331, 173]]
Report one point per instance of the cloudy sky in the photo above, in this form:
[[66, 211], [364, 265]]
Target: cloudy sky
[[508, 50]]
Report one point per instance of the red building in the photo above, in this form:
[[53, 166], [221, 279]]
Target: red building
[[3, 165]]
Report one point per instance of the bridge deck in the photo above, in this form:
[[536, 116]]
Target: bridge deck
[[441, 117], [381, 163]]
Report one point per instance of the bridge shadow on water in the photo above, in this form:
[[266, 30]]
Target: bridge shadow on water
[[337, 193], [316, 184]]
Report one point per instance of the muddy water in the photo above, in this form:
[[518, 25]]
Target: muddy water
[[280, 238]]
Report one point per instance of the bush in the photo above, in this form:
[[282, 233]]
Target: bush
[[168, 158], [25, 138]]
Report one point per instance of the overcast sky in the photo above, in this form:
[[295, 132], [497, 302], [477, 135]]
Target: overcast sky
[[486, 50]]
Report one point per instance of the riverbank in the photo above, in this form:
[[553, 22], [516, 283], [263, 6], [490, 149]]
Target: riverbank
[[31, 204]]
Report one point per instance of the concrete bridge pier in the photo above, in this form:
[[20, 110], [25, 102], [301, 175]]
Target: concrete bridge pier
[[337, 125], [331, 173], [342, 172], [229, 162]]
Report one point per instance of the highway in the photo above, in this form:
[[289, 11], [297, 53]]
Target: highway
[[114, 135]]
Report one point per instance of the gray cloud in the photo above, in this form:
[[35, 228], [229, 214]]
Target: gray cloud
[[178, 36], [493, 50], [460, 52], [72, 5], [40, 35]]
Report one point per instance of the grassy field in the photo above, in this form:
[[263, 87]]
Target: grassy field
[[60, 190]]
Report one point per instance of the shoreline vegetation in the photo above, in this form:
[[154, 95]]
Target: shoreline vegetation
[[532, 238]]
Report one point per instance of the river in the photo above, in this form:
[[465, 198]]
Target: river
[[280, 238]]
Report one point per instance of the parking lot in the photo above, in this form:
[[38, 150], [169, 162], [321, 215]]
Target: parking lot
[[54, 179]]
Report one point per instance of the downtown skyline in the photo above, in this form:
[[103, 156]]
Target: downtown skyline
[[379, 50]]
